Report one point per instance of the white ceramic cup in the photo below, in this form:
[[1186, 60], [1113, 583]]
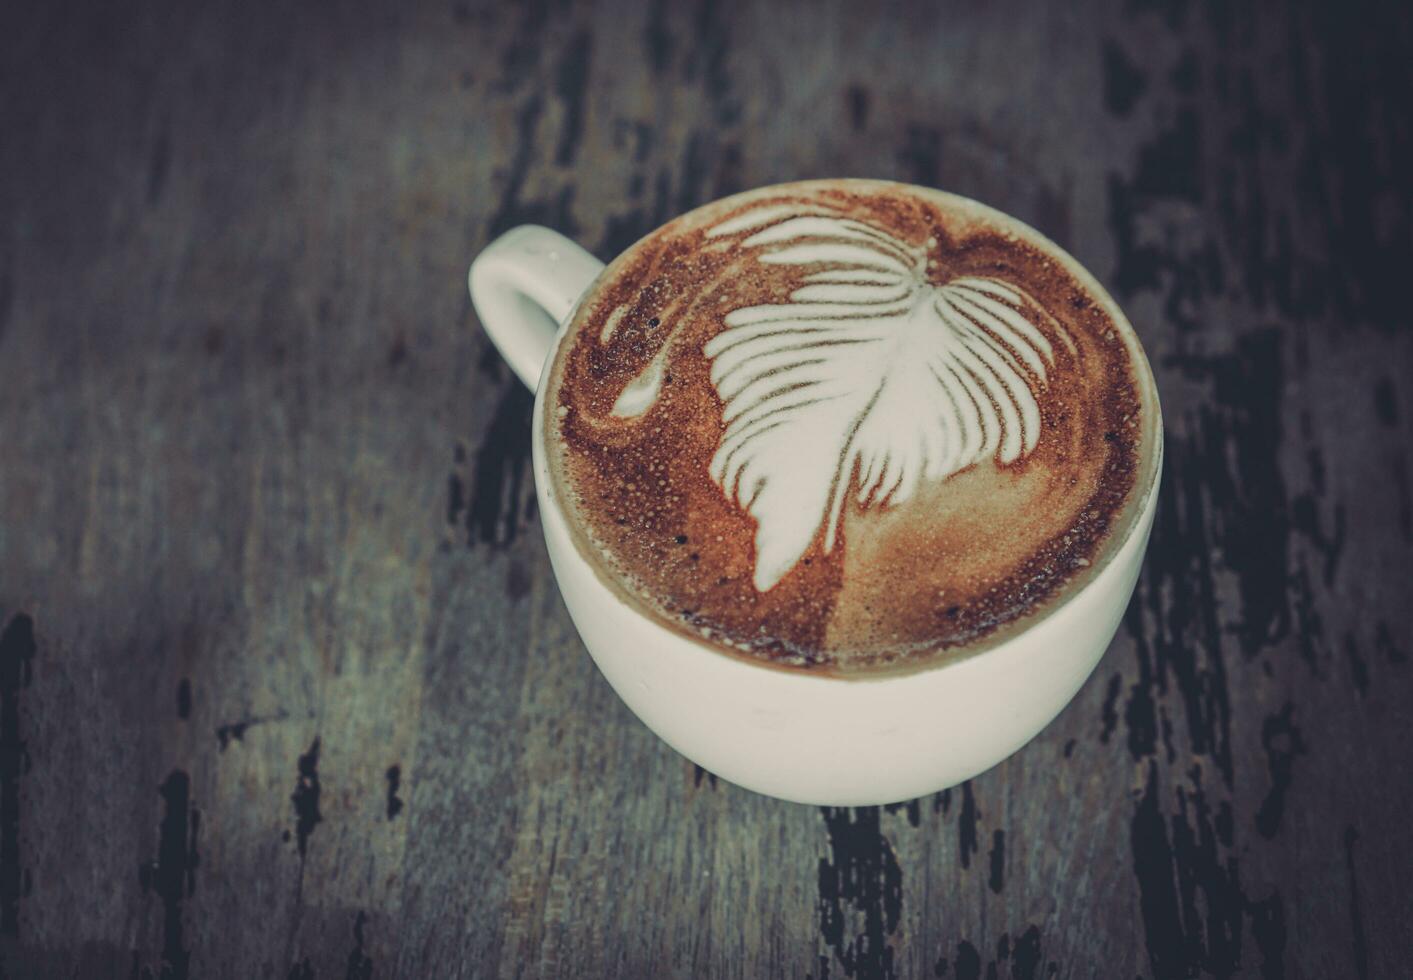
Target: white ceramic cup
[[806, 737]]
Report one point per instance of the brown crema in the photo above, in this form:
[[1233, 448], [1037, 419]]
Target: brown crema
[[963, 561]]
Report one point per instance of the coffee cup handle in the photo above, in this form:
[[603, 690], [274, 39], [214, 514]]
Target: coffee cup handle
[[524, 285]]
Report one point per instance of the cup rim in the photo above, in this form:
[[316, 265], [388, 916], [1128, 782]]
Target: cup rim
[[1129, 520]]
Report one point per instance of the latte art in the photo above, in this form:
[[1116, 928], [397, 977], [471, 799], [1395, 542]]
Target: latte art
[[831, 382], [844, 425]]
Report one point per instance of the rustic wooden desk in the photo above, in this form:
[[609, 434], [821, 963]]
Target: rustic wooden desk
[[286, 688]]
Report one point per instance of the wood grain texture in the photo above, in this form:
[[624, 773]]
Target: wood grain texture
[[286, 687]]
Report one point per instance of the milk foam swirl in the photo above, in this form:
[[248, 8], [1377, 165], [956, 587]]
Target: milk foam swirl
[[869, 374]]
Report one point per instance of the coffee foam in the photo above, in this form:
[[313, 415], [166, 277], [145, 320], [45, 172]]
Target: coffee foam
[[845, 425]]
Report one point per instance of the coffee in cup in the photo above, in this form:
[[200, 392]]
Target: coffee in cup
[[845, 426], [845, 484]]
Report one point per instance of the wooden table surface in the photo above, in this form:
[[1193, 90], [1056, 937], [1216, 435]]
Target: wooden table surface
[[286, 686]]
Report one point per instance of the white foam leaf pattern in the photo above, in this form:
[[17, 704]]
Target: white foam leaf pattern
[[869, 369]]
